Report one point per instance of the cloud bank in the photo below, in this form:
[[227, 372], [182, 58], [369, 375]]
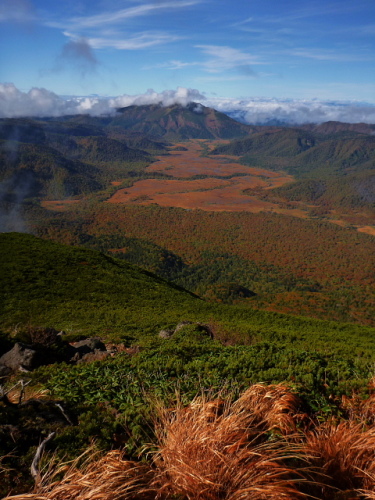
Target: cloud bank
[[39, 102], [258, 111]]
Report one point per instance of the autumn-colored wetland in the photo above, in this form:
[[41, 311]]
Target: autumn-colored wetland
[[214, 183], [222, 187]]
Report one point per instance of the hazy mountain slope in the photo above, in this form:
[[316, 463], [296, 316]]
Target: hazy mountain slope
[[98, 149], [58, 158], [176, 122], [302, 152], [39, 170], [334, 127], [285, 142]]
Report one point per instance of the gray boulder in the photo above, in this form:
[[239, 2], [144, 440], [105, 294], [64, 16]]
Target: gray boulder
[[96, 355], [91, 349], [89, 345], [21, 357]]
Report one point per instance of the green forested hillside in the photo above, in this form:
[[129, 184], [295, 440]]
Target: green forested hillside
[[56, 159], [307, 267], [334, 166], [85, 292]]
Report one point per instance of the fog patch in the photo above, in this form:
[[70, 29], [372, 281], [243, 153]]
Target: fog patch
[[181, 95], [13, 192], [39, 102]]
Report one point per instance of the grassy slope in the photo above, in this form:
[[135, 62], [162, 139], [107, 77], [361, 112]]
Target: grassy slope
[[79, 290], [83, 291]]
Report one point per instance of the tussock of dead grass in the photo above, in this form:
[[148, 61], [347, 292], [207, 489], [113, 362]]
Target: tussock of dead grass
[[210, 451], [217, 450], [108, 478], [358, 409], [342, 456], [15, 395], [270, 407]]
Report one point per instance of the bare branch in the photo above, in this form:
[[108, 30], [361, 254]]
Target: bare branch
[[64, 414], [35, 472]]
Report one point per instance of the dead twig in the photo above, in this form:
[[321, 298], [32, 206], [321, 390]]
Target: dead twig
[[64, 413], [35, 472]]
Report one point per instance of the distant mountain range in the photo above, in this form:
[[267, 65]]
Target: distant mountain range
[[57, 157]]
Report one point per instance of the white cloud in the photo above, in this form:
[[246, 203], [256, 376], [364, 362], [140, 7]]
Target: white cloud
[[220, 59], [223, 58], [181, 96], [42, 102], [139, 41], [260, 111], [326, 55], [117, 17], [116, 28]]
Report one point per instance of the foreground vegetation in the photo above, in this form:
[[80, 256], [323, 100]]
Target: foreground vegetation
[[218, 351], [261, 445]]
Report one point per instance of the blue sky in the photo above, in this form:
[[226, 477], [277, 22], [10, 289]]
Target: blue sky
[[280, 49]]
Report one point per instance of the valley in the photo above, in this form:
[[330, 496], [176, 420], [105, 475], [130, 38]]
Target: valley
[[202, 182], [192, 179]]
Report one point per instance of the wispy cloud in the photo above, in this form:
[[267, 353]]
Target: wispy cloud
[[327, 55], [313, 10], [119, 16], [223, 58], [220, 59], [17, 11], [368, 29], [172, 65], [115, 28], [135, 42]]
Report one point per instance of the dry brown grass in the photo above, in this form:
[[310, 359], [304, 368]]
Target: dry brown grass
[[358, 409], [272, 407], [212, 450], [15, 395], [108, 478], [341, 458], [256, 448]]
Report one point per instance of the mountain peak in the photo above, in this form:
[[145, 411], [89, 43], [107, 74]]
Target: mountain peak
[[179, 122]]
